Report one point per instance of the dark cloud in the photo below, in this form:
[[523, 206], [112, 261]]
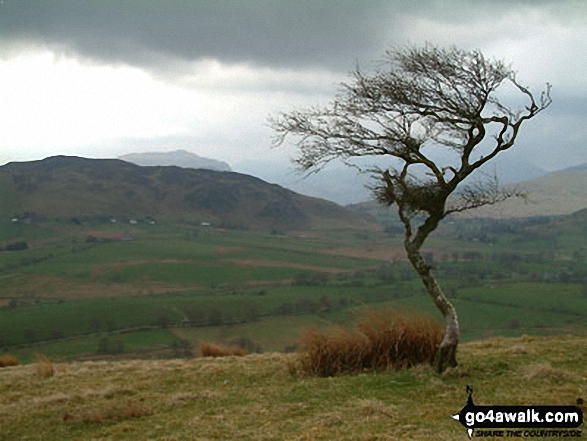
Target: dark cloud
[[330, 34], [326, 33]]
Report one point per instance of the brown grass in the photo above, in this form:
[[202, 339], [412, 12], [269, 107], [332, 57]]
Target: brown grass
[[212, 350], [254, 398], [546, 373], [114, 414], [380, 340], [44, 367], [8, 360]]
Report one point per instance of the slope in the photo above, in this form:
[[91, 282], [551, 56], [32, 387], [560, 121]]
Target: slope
[[71, 187], [557, 193], [259, 397]]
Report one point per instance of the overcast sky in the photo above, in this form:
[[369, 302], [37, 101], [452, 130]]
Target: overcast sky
[[101, 78]]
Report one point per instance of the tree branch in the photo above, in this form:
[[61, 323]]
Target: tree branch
[[482, 193]]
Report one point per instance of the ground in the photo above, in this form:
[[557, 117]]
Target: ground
[[265, 397]]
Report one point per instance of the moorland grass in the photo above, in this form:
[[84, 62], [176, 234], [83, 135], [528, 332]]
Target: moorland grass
[[257, 398], [44, 368]]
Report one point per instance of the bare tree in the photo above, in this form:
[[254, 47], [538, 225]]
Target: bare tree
[[440, 114]]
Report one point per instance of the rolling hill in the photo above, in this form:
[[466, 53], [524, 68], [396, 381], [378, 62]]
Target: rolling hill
[[71, 187]]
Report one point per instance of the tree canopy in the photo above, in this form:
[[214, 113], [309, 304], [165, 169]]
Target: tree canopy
[[419, 101]]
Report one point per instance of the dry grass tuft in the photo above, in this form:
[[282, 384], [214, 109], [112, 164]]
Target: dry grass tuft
[[44, 367], [8, 360], [329, 420], [518, 350], [375, 408], [545, 372], [456, 372], [52, 399], [381, 340], [212, 350]]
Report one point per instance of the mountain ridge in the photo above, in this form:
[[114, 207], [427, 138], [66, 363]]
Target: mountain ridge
[[64, 187], [557, 193], [346, 185], [560, 192]]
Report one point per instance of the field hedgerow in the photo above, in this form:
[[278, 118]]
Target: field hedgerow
[[380, 340]]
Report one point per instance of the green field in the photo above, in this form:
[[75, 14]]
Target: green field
[[156, 289]]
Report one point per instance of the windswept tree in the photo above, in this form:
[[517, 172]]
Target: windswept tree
[[439, 114]]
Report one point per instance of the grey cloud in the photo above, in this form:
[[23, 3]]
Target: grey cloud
[[329, 34], [326, 33]]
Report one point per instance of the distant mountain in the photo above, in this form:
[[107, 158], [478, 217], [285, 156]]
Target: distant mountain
[[511, 170], [557, 193], [345, 185], [580, 167], [64, 187], [179, 158]]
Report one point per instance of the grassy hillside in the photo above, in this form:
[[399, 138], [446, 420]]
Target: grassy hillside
[[261, 397], [78, 188]]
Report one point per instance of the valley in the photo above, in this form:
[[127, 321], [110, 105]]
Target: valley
[[159, 289]]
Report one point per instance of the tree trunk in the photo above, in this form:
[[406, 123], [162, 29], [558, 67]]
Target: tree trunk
[[447, 352]]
